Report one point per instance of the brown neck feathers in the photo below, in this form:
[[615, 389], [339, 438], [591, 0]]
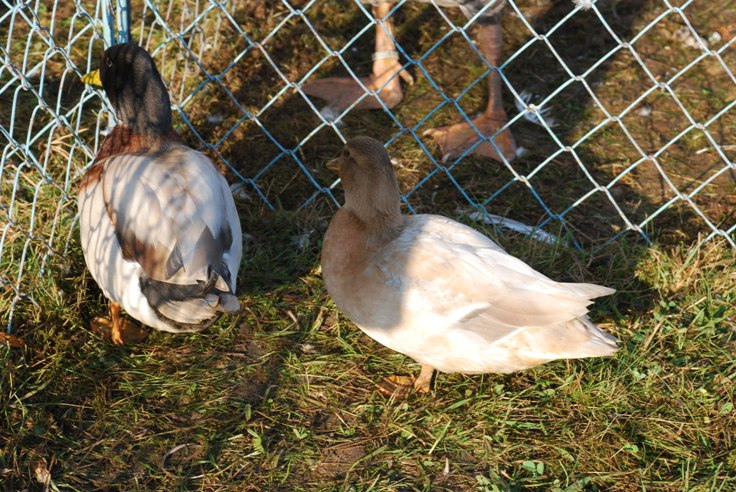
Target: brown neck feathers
[[123, 140]]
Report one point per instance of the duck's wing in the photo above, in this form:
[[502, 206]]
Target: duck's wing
[[174, 215], [452, 271]]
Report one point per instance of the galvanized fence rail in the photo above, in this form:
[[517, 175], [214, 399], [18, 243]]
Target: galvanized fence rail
[[51, 125]]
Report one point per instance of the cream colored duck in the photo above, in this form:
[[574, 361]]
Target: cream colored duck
[[159, 228], [441, 292]]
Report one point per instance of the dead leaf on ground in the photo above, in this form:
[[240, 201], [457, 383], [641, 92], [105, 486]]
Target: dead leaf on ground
[[12, 340]]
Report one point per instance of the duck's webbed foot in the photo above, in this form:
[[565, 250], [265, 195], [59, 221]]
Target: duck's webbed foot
[[401, 386], [341, 93], [454, 140]]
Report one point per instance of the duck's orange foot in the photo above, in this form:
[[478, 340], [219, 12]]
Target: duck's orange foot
[[341, 93], [401, 386], [396, 386], [127, 333], [454, 140]]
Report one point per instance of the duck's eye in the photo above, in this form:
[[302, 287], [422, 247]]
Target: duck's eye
[[344, 153]]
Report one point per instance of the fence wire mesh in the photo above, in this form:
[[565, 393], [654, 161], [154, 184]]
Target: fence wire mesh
[[623, 113]]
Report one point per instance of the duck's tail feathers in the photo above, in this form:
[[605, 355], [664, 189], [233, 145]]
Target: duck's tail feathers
[[599, 343], [191, 307], [588, 291]]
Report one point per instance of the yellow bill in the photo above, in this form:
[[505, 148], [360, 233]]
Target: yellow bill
[[93, 78]]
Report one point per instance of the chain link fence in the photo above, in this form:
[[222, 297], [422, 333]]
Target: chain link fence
[[623, 113]]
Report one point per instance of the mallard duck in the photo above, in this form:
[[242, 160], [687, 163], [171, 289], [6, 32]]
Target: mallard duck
[[159, 229], [454, 140], [441, 292]]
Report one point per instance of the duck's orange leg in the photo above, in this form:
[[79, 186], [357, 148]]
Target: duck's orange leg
[[424, 380], [118, 329], [116, 333], [340, 93], [454, 140]]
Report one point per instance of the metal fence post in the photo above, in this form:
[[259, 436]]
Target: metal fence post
[[123, 20]]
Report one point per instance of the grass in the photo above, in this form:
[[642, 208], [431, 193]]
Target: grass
[[282, 396]]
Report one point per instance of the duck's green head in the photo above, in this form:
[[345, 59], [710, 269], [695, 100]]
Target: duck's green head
[[135, 89]]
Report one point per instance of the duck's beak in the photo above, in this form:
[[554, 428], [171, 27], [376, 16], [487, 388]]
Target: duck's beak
[[93, 78], [333, 165]]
